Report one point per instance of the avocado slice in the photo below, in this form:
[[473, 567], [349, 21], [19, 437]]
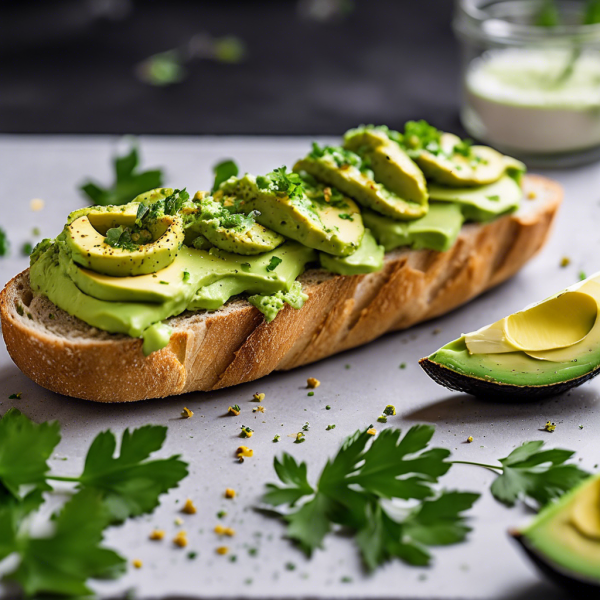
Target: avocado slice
[[87, 238], [481, 203], [390, 164], [458, 164], [563, 540], [367, 259], [233, 232], [544, 350], [349, 173], [300, 209], [437, 230]]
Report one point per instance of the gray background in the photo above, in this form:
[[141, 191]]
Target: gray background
[[487, 566]]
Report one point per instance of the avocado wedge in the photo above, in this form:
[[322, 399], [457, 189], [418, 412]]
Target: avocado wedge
[[543, 350], [563, 540]]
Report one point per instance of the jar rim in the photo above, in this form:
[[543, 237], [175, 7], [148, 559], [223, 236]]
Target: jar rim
[[473, 20]]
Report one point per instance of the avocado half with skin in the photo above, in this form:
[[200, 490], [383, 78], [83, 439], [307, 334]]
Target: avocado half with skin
[[543, 350], [563, 541]]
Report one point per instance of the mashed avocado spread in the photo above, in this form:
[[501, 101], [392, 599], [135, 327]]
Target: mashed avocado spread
[[128, 269]]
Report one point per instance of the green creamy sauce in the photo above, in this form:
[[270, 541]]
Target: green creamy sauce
[[514, 368]]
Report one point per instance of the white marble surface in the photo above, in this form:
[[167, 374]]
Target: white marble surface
[[487, 566]]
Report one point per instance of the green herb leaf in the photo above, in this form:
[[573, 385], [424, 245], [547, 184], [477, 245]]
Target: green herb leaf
[[548, 15], [62, 562], [3, 243], [128, 182], [129, 483], [352, 489], [25, 448], [223, 171], [530, 471]]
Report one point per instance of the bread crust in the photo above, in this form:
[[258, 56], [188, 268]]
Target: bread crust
[[209, 351]]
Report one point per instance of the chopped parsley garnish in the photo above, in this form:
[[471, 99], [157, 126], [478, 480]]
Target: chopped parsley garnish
[[277, 437], [223, 171], [530, 471], [281, 181], [310, 394], [128, 183], [27, 249], [246, 432], [419, 136], [16, 396], [186, 275], [346, 216], [328, 407], [274, 263], [354, 490], [330, 427], [582, 275]]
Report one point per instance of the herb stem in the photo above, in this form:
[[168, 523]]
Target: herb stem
[[59, 478], [476, 464]]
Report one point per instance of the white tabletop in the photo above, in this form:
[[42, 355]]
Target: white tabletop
[[487, 566]]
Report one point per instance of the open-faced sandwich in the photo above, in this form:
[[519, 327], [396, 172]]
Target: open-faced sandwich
[[176, 292]]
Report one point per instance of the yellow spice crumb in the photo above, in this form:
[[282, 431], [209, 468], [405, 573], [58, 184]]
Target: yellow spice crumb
[[186, 413], [189, 508], [178, 521], [137, 563], [258, 397], [157, 534], [229, 493], [372, 431], [550, 426], [565, 261], [36, 204], [233, 411], [222, 550], [470, 439], [260, 409], [312, 383], [181, 539], [531, 195], [220, 530], [244, 451]]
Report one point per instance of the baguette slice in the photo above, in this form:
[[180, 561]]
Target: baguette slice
[[213, 350]]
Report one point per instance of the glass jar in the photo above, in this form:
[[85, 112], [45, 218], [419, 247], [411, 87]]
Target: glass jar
[[532, 91]]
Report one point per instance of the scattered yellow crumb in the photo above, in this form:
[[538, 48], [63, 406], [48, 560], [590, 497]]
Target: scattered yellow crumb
[[186, 413], [233, 411], [222, 550], [531, 195], [260, 409], [228, 531], [565, 261], [470, 439], [178, 521], [157, 534], [137, 563], [549, 426], [244, 451], [229, 493], [258, 397], [189, 508], [313, 383], [372, 431], [389, 410], [36, 204], [181, 539]]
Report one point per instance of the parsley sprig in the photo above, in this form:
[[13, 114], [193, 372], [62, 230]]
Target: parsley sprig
[[359, 489], [109, 490], [281, 181], [530, 471], [128, 183]]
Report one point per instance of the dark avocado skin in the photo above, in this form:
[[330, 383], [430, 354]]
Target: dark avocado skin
[[502, 392], [574, 583]]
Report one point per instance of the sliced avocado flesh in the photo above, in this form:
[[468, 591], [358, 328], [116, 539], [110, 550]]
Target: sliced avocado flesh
[[564, 538], [367, 259], [481, 166], [50, 278], [336, 229], [437, 230], [237, 233], [390, 164], [529, 373], [360, 186], [481, 203], [86, 237]]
